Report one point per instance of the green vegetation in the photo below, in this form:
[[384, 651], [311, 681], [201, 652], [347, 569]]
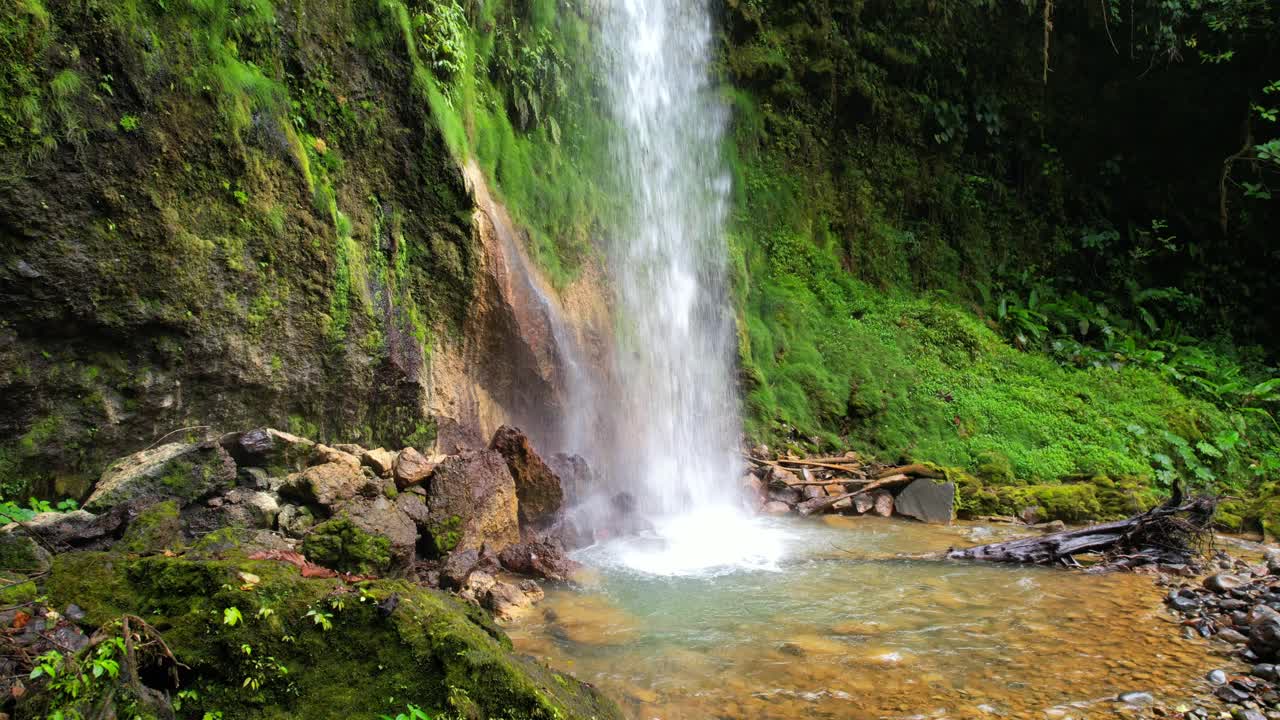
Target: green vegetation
[[276, 659], [940, 255], [340, 545]]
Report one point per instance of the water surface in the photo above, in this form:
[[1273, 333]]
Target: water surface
[[841, 627]]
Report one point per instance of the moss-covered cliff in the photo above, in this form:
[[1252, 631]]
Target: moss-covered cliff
[[220, 213]]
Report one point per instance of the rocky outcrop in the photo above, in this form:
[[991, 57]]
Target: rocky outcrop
[[472, 503], [324, 484], [543, 558], [537, 486], [183, 471]]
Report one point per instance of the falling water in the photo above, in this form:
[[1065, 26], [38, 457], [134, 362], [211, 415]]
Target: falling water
[[674, 363]]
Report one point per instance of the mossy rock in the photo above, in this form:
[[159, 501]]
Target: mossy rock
[[157, 528], [19, 553], [428, 650], [1081, 500], [341, 545]]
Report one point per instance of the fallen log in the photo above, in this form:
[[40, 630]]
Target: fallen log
[[1165, 534], [846, 468], [914, 469]]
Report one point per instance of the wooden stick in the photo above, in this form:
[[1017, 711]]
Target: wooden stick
[[916, 469]]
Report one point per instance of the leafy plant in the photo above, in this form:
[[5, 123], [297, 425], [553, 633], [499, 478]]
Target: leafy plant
[[411, 712], [129, 123]]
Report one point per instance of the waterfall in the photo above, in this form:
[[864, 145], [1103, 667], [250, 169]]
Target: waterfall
[[676, 328], [677, 425]]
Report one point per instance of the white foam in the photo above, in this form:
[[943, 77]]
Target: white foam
[[710, 541]]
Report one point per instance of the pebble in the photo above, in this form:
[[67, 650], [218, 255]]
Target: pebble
[[1217, 677], [1136, 698]]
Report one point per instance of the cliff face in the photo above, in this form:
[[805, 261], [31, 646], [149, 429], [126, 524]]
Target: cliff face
[[224, 214]]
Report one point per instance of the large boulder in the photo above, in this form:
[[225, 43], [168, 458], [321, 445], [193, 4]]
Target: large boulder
[[928, 501], [544, 558], [382, 517], [472, 503], [325, 484], [180, 471], [537, 487]]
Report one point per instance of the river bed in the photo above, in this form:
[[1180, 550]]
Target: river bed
[[842, 626]]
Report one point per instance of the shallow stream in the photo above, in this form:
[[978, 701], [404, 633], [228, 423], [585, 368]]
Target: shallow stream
[[842, 626]]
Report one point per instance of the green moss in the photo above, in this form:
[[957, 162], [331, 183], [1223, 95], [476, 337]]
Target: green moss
[[427, 652], [157, 528], [341, 545], [14, 593], [446, 534], [19, 553]]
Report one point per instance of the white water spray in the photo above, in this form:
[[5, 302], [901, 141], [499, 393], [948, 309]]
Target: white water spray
[[677, 448]]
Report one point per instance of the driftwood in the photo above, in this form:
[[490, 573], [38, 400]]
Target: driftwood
[[1170, 533], [853, 467], [915, 470]]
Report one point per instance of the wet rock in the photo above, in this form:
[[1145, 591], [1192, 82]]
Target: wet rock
[[928, 501], [411, 468], [1052, 526], [1032, 515], [1247, 714], [1222, 583], [544, 558], [1183, 601], [182, 471], [754, 491], [457, 568], [324, 484], [1230, 635], [1216, 677], [842, 505], [1266, 671], [862, 503], [775, 507], [788, 495], [472, 502], [276, 450], [781, 478], [577, 479], [507, 600], [883, 503], [381, 461], [1264, 637], [538, 489], [1136, 698], [813, 492]]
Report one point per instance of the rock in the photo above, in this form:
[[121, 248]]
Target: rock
[[862, 503], [1032, 515], [323, 454], [577, 479], [813, 492], [278, 451], [457, 567], [1266, 671], [781, 478], [19, 553], [295, 521], [842, 504], [1230, 635], [261, 505], [478, 583], [381, 461], [472, 502], [80, 528], [182, 471], [254, 478], [1264, 637], [340, 544], [507, 601], [324, 484], [883, 503], [544, 558], [1136, 698], [350, 448], [754, 491], [1216, 677], [411, 468], [381, 517], [927, 501], [788, 495], [1222, 583], [833, 489], [1247, 714], [415, 507], [537, 487], [775, 507], [1052, 526]]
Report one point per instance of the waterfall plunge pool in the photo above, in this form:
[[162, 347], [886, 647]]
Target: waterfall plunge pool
[[824, 619]]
